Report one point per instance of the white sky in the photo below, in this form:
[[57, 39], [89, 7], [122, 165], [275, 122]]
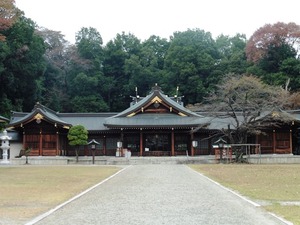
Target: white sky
[[144, 18]]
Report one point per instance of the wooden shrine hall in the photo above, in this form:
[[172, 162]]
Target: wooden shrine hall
[[155, 125]]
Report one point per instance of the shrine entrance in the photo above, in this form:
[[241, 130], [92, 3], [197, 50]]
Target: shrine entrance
[[157, 144]]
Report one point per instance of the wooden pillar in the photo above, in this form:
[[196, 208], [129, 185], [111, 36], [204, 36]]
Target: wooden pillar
[[41, 143], [191, 143], [291, 142], [122, 140], [274, 141], [57, 143], [256, 142], [104, 145], [141, 143], [172, 143]]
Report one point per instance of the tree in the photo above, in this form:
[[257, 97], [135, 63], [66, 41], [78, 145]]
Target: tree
[[77, 136], [117, 51], [248, 103], [189, 63], [232, 54], [8, 15], [146, 68], [88, 42], [23, 64], [276, 35], [52, 85]]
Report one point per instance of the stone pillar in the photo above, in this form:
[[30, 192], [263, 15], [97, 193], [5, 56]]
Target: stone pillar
[[5, 146]]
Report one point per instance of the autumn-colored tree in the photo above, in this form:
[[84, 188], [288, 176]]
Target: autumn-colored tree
[[8, 15], [269, 35]]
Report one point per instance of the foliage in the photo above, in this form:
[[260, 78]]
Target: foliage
[[276, 35], [88, 103], [89, 41], [190, 60], [8, 15], [24, 64], [117, 52], [77, 136], [232, 53], [38, 64], [274, 50]]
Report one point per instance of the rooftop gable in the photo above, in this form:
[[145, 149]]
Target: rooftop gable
[[156, 110], [157, 102], [39, 112]]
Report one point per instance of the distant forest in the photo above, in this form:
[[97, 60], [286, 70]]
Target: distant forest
[[39, 65]]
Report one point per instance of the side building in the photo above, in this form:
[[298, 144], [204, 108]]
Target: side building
[[155, 125]]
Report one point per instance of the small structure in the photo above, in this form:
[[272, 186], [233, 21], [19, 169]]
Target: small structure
[[222, 150], [5, 146], [119, 151], [93, 144]]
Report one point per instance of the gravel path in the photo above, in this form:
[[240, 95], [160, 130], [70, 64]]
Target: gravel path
[[159, 194]]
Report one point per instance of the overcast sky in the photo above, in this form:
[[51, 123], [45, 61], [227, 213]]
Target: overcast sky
[[144, 18]]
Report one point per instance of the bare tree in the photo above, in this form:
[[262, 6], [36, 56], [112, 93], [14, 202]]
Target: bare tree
[[247, 106]]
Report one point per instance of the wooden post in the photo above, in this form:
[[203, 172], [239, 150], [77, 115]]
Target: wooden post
[[172, 143], [274, 141], [256, 142], [192, 147], [57, 144], [291, 142], [104, 145], [41, 143], [122, 140], [141, 143]]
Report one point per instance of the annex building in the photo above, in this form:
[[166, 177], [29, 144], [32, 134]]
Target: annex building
[[155, 125]]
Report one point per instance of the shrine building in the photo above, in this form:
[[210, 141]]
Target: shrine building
[[155, 125]]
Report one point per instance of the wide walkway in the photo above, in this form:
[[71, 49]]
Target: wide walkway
[[159, 194]]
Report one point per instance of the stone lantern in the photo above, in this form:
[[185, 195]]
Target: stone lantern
[[5, 146]]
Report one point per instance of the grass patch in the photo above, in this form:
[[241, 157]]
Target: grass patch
[[27, 191], [272, 184], [291, 212]]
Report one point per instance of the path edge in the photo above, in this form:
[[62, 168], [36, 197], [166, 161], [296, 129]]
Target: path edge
[[44, 215], [241, 196]]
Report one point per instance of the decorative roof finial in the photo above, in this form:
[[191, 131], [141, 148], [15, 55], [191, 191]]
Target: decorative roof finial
[[156, 88]]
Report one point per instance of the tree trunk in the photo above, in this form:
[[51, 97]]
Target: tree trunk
[[76, 151]]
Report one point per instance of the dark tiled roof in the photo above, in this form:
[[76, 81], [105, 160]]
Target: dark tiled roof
[[3, 119], [156, 120], [91, 121], [48, 114], [164, 98], [135, 117]]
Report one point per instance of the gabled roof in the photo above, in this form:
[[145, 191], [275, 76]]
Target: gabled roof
[[155, 110], [156, 96], [294, 113], [39, 112], [3, 119], [91, 121]]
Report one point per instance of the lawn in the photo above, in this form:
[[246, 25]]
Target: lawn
[[28, 191], [275, 187]]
